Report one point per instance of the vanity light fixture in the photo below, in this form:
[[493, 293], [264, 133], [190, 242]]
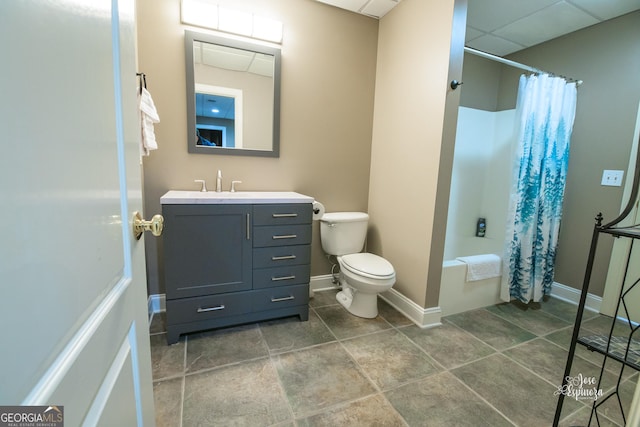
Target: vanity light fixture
[[207, 14], [202, 13], [235, 21], [267, 29]]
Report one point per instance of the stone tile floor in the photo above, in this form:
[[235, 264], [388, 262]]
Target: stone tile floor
[[498, 366]]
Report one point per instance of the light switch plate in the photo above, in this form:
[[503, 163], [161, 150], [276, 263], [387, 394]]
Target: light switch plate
[[612, 178]]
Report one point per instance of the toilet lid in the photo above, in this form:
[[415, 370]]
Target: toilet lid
[[368, 265]]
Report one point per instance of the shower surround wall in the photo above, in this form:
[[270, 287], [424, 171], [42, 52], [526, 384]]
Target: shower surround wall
[[480, 182], [479, 189]]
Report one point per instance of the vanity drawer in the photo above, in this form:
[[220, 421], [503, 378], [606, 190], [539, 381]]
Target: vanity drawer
[[286, 235], [209, 307], [281, 297], [278, 256], [281, 276], [297, 213]]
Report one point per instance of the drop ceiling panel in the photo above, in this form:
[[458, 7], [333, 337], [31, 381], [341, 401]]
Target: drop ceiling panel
[[472, 33], [262, 65], [379, 8], [225, 57], [352, 5], [607, 9], [546, 24], [502, 27], [495, 45], [375, 8], [489, 15]]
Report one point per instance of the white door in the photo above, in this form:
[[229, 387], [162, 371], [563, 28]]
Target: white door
[[72, 279]]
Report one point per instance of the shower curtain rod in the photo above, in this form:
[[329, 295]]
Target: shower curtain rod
[[515, 64]]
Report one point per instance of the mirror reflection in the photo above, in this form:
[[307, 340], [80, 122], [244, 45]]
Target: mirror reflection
[[233, 96], [215, 118]]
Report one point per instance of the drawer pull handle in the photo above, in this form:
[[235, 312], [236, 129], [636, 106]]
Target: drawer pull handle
[[217, 307], [289, 298], [282, 258], [276, 279], [285, 236], [285, 215]]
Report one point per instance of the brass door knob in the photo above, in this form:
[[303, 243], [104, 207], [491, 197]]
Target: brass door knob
[[140, 225]]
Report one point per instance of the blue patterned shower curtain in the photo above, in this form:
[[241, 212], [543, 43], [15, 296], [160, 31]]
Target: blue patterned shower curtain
[[546, 108]]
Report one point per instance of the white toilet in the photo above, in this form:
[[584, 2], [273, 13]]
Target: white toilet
[[362, 275]]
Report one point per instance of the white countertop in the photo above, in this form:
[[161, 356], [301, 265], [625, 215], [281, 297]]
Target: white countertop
[[175, 197]]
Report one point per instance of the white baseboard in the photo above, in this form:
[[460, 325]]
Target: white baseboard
[[572, 295], [422, 317], [321, 283]]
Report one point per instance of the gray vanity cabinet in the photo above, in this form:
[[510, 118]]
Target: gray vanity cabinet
[[207, 249], [228, 264]]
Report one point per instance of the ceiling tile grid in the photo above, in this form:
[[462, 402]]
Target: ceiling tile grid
[[374, 8], [607, 9], [490, 15], [502, 27], [546, 24]]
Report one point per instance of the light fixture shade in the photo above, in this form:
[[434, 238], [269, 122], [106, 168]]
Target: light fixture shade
[[267, 29], [235, 21], [207, 14], [202, 13]]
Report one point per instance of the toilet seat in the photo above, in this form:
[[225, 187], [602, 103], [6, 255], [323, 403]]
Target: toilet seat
[[368, 265]]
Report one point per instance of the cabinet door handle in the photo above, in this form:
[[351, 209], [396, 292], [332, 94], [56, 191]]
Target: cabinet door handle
[[285, 236], [276, 279], [289, 298], [248, 227], [284, 215], [217, 307], [282, 258]]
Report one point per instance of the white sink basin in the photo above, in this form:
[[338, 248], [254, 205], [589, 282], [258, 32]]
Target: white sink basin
[[174, 197]]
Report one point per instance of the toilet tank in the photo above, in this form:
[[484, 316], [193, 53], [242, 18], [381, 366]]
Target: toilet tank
[[343, 233]]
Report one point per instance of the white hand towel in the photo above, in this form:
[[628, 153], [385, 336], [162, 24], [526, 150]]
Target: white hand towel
[[148, 116], [481, 267]]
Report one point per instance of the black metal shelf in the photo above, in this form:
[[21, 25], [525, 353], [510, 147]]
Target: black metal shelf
[[632, 232], [622, 349]]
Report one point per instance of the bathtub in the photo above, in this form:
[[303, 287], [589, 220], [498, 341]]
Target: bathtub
[[457, 295]]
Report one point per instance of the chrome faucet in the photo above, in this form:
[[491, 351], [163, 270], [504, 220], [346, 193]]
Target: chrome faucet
[[233, 185], [204, 184], [219, 182]]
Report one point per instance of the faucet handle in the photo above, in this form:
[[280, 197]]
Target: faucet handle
[[204, 184], [233, 185]]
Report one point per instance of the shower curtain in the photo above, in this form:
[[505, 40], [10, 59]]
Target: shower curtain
[[546, 108]]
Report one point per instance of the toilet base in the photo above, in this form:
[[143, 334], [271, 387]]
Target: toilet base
[[360, 304]]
